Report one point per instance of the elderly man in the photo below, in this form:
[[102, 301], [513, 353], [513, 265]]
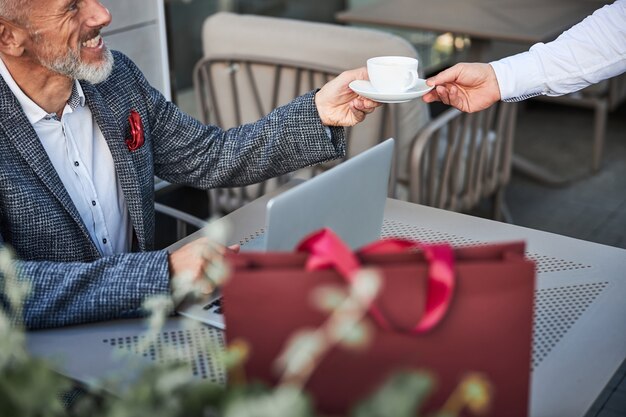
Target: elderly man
[[81, 136]]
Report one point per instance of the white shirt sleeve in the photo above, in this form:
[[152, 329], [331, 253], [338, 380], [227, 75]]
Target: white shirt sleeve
[[589, 52]]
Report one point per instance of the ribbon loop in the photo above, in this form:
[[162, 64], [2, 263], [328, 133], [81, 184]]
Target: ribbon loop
[[326, 250]]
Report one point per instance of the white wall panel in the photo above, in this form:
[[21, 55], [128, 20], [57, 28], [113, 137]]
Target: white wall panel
[[131, 12], [138, 30]]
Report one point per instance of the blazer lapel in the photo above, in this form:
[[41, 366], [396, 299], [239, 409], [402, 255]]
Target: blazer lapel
[[114, 135], [18, 130]]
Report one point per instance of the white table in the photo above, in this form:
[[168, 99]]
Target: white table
[[580, 325]]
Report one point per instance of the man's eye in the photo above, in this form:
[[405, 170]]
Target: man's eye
[[73, 6]]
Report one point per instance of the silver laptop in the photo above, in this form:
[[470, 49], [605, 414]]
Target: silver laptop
[[349, 198]]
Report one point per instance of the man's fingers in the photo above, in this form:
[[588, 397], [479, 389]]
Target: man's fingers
[[366, 110], [430, 97], [365, 104], [456, 99], [361, 107], [453, 95], [360, 74], [447, 76], [358, 115], [443, 94], [436, 80], [205, 287], [350, 75]]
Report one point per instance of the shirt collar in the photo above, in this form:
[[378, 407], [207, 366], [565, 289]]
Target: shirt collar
[[77, 98], [34, 113]]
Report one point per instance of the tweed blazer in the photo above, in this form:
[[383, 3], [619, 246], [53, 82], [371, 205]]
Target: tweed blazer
[[71, 282]]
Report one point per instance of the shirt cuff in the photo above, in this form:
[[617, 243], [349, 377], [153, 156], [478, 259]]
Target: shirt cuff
[[519, 77]]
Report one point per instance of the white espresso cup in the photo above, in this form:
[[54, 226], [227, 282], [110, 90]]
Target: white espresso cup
[[392, 74]]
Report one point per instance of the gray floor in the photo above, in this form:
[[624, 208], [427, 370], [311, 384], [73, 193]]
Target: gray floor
[[593, 206]]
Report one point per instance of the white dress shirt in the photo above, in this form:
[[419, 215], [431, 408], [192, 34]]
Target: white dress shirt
[[589, 52], [81, 157]]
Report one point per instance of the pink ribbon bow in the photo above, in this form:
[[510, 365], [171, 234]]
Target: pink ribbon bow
[[326, 250]]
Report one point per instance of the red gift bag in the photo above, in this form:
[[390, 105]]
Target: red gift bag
[[473, 317]]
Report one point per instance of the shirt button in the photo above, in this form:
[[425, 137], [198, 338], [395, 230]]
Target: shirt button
[[93, 202], [76, 163], [104, 241]]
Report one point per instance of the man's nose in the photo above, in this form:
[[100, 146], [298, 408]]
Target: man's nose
[[97, 14]]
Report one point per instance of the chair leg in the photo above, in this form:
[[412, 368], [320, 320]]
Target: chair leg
[[507, 217], [501, 211], [600, 116], [181, 229]]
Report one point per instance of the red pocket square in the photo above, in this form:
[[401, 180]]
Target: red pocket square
[[135, 141]]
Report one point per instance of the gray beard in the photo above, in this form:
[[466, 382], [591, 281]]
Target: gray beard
[[70, 65]]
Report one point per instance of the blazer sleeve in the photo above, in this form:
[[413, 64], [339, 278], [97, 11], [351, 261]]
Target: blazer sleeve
[[66, 293], [205, 156]]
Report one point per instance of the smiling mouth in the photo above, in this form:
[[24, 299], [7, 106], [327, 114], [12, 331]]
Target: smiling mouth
[[94, 42]]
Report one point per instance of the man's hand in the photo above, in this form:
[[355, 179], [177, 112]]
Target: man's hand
[[468, 87], [338, 105], [193, 259]]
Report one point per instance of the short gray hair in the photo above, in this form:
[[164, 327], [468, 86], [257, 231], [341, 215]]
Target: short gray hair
[[14, 10]]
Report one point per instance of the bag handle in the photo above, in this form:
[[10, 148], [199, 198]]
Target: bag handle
[[327, 250]]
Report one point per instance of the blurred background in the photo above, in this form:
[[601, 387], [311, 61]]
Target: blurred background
[[164, 38]]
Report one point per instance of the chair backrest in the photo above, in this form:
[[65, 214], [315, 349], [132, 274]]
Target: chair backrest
[[460, 158], [253, 64], [612, 91]]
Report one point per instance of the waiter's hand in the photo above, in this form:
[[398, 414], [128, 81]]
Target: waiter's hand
[[193, 259], [468, 87], [338, 105]]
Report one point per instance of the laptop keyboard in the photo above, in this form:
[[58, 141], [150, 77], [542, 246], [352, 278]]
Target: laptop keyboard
[[257, 243], [215, 306]]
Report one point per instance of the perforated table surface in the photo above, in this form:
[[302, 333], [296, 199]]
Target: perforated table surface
[[580, 309]]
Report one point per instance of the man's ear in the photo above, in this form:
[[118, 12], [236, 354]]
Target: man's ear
[[12, 38]]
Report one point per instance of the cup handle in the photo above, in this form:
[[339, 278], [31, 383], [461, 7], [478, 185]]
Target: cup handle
[[413, 82]]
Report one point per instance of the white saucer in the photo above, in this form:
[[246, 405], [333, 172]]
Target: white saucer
[[366, 89]]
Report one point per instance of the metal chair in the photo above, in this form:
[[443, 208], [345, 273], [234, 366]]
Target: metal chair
[[460, 159], [182, 219], [240, 76]]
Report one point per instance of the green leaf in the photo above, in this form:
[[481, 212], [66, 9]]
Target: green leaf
[[328, 298], [30, 388], [353, 335], [283, 401]]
